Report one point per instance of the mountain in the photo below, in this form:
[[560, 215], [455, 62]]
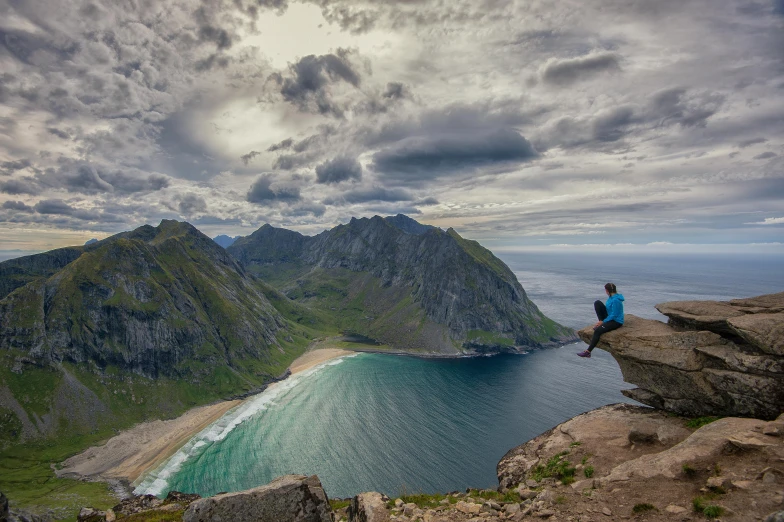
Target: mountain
[[410, 286], [225, 241], [162, 315]]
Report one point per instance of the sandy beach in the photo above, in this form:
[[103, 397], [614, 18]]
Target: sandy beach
[[126, 456]]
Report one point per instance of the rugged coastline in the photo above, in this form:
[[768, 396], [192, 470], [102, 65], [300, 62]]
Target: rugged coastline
[[617, 462], [124, 458]]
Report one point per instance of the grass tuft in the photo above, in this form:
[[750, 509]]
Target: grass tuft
[[699, 422], [643, 508], [556, 467], [588, 471]]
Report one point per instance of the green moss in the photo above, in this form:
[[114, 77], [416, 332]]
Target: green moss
[[481, 255], [337, 503], [557, 467], [643, 508], [488, 338], [699, 422]]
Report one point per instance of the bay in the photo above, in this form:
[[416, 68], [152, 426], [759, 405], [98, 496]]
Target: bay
[[400, 424]]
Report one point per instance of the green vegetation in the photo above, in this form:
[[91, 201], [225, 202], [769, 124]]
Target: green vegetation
[[27, 479], [423, 500], [339, 503], [588, 471], [643, 508], [557, 467], [481, 255], [489, 338], [709, 510], [160, 516], [575, 444], [699, 422], [688, 470], [585, 458], [490, 494], [560, 499]]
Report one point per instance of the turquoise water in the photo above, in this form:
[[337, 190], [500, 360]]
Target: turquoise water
[[395, 424]]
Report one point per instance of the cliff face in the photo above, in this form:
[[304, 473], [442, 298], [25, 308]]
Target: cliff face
[[404, 284], [149, 303], [141, 325], [712, 358]]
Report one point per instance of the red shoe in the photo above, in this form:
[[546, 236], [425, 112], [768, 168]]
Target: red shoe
[[586, 353]]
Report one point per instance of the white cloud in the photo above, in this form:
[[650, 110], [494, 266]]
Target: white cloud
[[769, 221]]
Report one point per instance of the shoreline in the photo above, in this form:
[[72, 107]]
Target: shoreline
[[127, 456]]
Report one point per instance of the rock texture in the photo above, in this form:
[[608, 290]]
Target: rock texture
[[145, 302], [368, 507], [712, 358], [291, 498], [407, 285], [622, 456]]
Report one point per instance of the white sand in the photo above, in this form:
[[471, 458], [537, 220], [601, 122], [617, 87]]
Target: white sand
[[129, 454]]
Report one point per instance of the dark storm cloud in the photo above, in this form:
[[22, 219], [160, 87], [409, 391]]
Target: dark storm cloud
[[285, 144], [395, 90], [61, 208], [20, 186], [88, 179], [18, 205], [26, 46], [436, 155], [191, 204], [267, 189], [60, 134], [753, 141], [364, 195], [9, 167], [612, 125], [569, 71], [307, 85], [765, 155], [778, 7], [679, 106], [246, 158], [342, 168]]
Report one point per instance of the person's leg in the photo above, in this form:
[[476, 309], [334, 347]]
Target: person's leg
[[601, 310], [609, 326]]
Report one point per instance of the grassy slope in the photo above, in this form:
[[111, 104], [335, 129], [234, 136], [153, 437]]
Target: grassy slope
[[124, 399]]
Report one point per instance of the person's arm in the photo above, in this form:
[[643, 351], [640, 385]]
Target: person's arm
[[613, 314]]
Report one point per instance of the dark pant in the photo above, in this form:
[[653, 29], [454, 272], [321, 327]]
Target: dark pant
[[601, 314]]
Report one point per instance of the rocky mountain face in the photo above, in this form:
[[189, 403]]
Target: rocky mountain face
[[407, 285], [712, 358], [143, 324], [147, 303]]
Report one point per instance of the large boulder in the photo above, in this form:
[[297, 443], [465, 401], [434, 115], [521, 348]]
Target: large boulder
[[368, 507], [712, 358], [291, 498]]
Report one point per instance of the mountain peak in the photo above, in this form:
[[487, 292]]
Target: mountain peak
[[408, 225]]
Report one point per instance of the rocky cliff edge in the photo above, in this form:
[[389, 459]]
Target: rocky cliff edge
[[711, 358]]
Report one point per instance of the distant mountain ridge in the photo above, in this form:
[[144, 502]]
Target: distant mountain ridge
[[408, 285], [225, 241], [149, 322]]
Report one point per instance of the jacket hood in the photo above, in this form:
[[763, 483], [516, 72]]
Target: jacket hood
[[618, 297]]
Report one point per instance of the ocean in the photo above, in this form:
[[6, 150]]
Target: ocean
[[399, 424]]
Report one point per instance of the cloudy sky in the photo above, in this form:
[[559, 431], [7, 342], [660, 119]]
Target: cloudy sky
[[522, 124]]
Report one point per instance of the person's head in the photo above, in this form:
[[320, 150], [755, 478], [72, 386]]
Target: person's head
[[610, 288]]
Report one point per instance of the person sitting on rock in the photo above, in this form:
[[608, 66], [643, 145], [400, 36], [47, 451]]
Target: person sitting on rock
[[610, 316]]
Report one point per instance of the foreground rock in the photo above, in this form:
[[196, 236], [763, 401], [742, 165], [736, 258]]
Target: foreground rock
[[624, 457], [713, 358], [291, 498]]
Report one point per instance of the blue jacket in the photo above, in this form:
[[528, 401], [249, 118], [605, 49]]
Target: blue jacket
[[614, 307]]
